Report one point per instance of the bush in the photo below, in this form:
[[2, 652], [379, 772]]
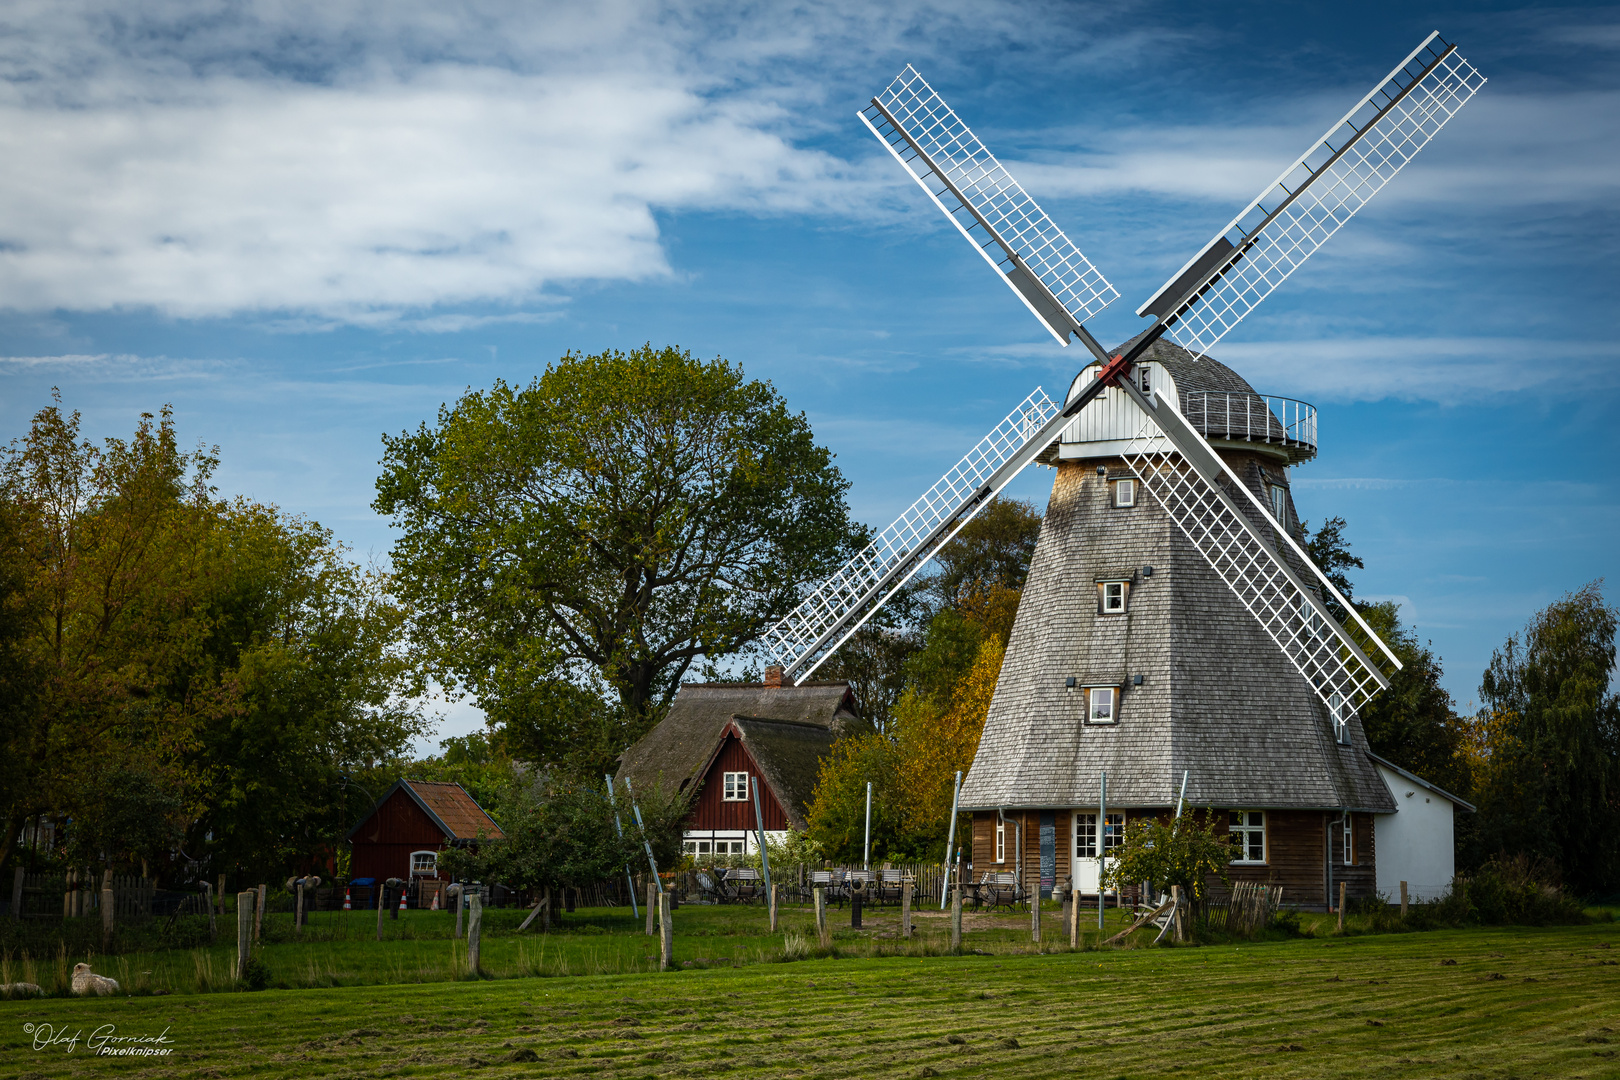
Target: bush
[[257, 975], [1286, 921], [1517, 890]]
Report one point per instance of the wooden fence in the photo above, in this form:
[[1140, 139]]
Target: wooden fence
[[1246, 910]]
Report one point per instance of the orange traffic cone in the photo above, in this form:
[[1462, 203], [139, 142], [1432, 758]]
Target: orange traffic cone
[[402, 899], [346, 906], [435, 905]]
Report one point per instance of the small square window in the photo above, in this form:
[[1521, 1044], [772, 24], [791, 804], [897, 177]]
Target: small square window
[[1102, 704], [736, 787], [1143, 373], [1112, 596], [1125, 492]]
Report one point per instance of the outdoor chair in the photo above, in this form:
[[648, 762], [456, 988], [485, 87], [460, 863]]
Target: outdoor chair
[[745, 883], [823, 880], [890, 883], [1003, 890], [708, 891], [861, 881]]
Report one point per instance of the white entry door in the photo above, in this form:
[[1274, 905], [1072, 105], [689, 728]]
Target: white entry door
[[1083, 850]]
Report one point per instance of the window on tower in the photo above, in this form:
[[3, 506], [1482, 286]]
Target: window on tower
[[1102, 704], [1248, 829], [1279, 503], [1125, 491], [1340, 716], [1112, 596]]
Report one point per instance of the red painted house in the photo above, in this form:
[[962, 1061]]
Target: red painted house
[[416, 819], [725, 741]]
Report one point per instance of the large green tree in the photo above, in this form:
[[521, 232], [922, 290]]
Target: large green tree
[[1414, 723], [1551, 784], [573, 547]]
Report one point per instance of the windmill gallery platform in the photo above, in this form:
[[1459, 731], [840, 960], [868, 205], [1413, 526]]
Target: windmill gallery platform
[[1131, 656]]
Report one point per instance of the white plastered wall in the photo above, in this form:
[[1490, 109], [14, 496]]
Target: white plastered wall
[[1416, 843]]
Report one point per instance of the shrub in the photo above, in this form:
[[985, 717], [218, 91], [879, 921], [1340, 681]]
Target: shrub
[[257, 975], [1517, 890]]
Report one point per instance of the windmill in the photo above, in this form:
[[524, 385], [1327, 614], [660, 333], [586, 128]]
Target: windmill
[[1242, 537]]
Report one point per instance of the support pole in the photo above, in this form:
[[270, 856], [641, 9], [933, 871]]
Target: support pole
[[652, 906], [613, 801], [823, 935], [245, 903], [666, 934], [1182, 797], [764, 855], [866, 846], [475, 928], [771, 890], [956, 918], [1102, 844], [950, 842], [651, 862]]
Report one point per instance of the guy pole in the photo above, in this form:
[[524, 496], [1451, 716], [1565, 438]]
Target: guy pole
[[1182, 797], [1102, 845], [950, 843], [644, 841], [866, 848], [628, 880], [759, 826]]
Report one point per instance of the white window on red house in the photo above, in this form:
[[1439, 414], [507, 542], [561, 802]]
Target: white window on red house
[[1102, 704], [424, 863], [1248, 829], [736, 787]]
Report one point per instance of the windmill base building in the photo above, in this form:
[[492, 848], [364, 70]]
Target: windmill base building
[[1132, 659]]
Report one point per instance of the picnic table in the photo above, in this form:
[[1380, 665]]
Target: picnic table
[[743, 884], [1002, 889], [889, 886]]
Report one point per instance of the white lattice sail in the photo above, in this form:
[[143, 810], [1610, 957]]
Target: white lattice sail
[[1315, 196], [1033, 256], [1229, 527], [840, 605]]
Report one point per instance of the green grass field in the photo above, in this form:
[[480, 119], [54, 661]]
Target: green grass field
[[1502, 1002]]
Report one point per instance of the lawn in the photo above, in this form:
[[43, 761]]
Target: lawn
[[1481, 1002]]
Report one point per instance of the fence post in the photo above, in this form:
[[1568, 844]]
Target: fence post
[[380, 891], [245, 904], [17, 894], [107, 904], [1403, 899], [1074, 913], [221, 896], [956, 918], [773, 907], [298, 910], [905, 906], [1035, 911], [1175, 912], [258, 911], [213, 927], [454, 890], [1341, 905], [822, 933], [666, 934], [652, 904], [475, 921]]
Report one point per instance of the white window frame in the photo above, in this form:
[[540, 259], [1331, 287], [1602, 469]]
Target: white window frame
[[1083, 841], [1001, 841], [1279, 503], [1144, 372], [1107, 602], [1243, 830], [1092, 699], [1347, 839], [736, 787], [1125, 491], [431, 870], [1340, 718], [1113, 833]]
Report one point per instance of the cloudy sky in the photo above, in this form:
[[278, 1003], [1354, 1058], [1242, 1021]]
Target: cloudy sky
[[306, 224]]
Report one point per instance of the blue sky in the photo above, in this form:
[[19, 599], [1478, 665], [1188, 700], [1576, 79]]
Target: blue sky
[[306, 224]]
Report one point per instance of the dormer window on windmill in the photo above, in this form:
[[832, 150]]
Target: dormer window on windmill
[[1113, 595]]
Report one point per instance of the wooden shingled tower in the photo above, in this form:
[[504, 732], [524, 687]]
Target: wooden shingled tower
[[1172, 623]]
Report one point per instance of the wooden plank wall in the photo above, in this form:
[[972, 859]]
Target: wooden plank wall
[[711, 811]]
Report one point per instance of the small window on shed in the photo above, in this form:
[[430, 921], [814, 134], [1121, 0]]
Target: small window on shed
[[424, 863], [1112, 596], [1125, 491], [736, 787]]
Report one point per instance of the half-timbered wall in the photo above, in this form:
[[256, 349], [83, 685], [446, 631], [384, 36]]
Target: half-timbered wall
[[712, 811]]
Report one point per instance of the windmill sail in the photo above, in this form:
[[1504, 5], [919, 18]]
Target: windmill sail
[[1037, 261], [1218, 513], [841, 604], [1314, 196]]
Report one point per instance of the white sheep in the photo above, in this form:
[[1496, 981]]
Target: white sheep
[[86, 981], [19, 989]]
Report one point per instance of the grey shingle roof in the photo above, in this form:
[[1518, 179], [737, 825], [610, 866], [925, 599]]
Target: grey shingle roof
[[1217, 697], [678, 750]]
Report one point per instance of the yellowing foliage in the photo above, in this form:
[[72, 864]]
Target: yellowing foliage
[[935, 742]]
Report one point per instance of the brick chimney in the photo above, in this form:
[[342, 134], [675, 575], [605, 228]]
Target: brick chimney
[[773, 675]]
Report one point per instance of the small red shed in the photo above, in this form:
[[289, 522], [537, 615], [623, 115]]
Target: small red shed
[[416, 819]]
